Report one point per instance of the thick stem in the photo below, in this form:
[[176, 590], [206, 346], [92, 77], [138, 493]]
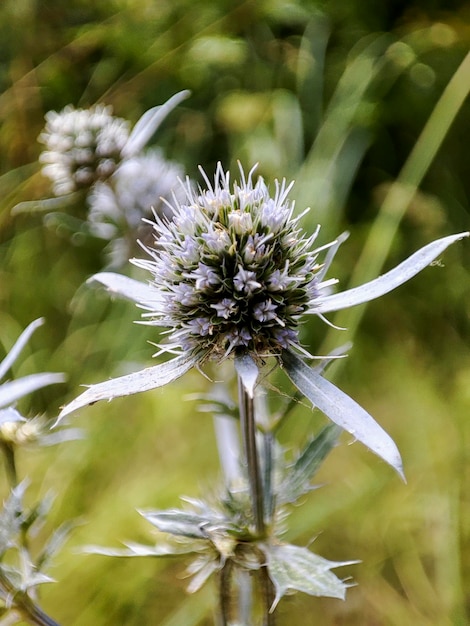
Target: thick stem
[[10, 464], [248, 427], [224, 593], [268, 597]]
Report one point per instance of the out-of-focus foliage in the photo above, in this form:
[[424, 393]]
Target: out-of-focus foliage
[[336, 96]]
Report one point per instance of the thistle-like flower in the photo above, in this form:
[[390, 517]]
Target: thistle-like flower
[[234, 270], [82, 146], [139, 185], [232, 273]]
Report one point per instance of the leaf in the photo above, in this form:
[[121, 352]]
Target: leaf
[[201, 569], [387, 282], [181, 523], [128, 288], [294, 568], [19, 345], [12, 391], [149, 122], [47, 204], [297, 481], [137, 549], [145, 380], [342, 409], [248, 372]]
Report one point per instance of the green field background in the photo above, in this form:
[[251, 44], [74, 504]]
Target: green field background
[[363, 104]]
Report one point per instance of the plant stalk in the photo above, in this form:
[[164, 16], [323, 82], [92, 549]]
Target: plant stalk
[[10, 464], [248, 428]]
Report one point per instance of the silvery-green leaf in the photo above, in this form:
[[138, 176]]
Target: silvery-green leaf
[[23, 580], [149, 122], [65, 434], [201, 569], [10, 415], [11, 518], [341, 409], [300, 473], [63, 223], [387, 282], [47, 204], [177, 522], [292, 568], [137, 549], [127, 287], [19, 345], [248, 372], [54, 543], [12, 391], [145, 380]]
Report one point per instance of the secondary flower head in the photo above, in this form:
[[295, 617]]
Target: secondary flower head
[[82, 146], [139, 185], [233, 269]]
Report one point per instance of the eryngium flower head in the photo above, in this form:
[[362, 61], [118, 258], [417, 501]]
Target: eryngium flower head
[[137, 187], [82, 146], [233, 269]]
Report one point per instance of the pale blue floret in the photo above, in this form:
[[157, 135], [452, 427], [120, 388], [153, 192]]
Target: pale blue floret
[[200, 326], [225, 308], [205, 276], [240, 222], [190, 250], [279, 281], [265, 311], [184, 294], [245, 281], [216, 240], [285, 337], [238, 337], [255, 247]]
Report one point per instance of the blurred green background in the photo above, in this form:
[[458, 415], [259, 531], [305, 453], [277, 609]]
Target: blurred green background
[[362, 104]]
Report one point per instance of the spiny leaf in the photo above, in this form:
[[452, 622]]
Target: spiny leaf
[[389, 281], [341, 409], [294, 568], [145, 380]]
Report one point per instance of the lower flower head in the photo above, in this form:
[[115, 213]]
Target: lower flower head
[[233, 269]]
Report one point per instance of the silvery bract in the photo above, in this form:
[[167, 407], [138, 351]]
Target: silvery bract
[[14, 428], [11, 391], [232, 274]]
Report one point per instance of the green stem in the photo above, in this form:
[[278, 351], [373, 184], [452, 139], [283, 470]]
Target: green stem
[[268, 596], [224, 593], [10, 464], [248, 427]]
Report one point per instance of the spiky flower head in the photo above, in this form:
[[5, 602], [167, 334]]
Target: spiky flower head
[[82, 146], [233, 269], [139, 185]]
